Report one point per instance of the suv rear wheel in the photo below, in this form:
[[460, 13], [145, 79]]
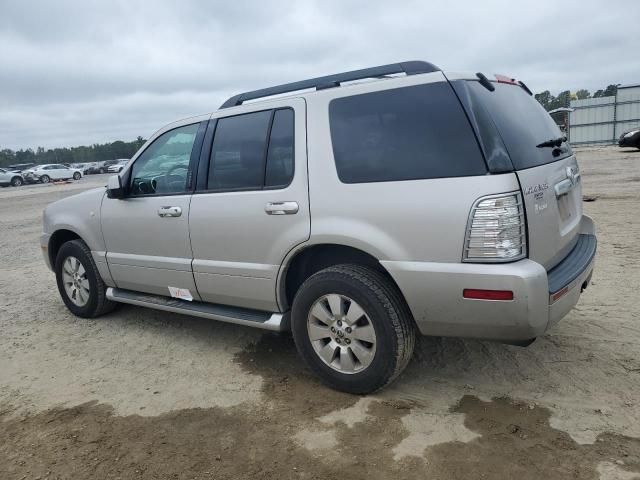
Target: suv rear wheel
[[16, 181], [353, 328], [79, 283]]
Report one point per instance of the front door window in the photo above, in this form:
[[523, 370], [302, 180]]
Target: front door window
[[163, 166]]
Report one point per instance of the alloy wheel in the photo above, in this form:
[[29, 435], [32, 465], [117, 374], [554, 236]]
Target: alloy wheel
[[341, 333], [76, 284]]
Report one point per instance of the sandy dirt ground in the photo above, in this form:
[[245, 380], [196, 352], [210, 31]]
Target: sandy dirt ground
[[152, 395]]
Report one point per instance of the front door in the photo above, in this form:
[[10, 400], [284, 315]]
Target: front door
[[147, 233], [251, 206]]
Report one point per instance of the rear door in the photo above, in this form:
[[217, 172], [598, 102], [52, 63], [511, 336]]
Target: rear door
[[548, 171], [251, 206], [63, 172], [54, 171]]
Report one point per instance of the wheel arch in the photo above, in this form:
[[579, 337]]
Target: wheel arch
[[309, 259], [59, 238]]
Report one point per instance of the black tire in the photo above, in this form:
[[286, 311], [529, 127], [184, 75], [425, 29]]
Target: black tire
[[76, 176], [102, 170], [44, 179], [387, 312], [97, 303], [16, 181]]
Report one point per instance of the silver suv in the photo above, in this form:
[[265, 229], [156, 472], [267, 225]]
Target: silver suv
[[355, 210]]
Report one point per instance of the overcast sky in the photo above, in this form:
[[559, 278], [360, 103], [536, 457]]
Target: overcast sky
[[81, 72]]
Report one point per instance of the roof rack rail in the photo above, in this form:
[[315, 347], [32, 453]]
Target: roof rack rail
[[409, 68]]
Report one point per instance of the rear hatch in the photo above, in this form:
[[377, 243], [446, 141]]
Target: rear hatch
[[549, 177]]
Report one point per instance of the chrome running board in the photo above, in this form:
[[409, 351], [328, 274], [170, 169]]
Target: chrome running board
[[276, 322]]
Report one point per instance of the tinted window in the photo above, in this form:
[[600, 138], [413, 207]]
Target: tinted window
[[403, 134], [522, 123], [238, 152], [163, 167], [280, 160]]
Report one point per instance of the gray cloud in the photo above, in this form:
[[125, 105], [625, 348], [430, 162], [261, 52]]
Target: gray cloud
[[78, 72]]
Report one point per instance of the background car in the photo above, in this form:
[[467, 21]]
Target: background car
[[10, 177], [46, 173], [91, 168], [20, 167], [630, 138], [103, 166], [117, 167]]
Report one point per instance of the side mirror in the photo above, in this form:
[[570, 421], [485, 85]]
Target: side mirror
[[114, 187]]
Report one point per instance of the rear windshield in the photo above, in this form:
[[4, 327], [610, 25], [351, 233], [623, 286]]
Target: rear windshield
[[521, 122], [406, 133]]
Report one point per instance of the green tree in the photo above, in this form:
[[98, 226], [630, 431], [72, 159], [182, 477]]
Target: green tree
[[562, 100], [610, 91], [582, 94], [545, 98]]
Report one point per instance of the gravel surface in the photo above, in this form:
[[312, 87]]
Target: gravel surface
[[148, 394]]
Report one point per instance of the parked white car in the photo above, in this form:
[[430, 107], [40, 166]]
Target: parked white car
[[46, 173], [117, 167], [10, 177]]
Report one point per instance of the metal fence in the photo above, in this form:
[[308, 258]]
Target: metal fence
[[603, 119]]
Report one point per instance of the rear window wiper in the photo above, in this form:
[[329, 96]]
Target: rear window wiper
[[554, 142]]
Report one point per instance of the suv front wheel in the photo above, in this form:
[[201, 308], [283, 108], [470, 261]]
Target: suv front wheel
[[353, 328], [79, 283]]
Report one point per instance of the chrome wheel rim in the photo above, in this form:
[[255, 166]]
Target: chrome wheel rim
[[74, 279], [341, 333]]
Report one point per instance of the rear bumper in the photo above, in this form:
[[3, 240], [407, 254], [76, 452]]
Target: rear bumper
[[434, 293]]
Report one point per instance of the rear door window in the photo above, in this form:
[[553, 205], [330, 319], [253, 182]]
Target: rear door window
[[253, 151], [238, 152], [408, 133], [521, 122]]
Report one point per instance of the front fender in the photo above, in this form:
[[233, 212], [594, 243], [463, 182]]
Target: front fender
[[79, 214]]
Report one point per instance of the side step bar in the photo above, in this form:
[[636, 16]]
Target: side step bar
[[276, 322]]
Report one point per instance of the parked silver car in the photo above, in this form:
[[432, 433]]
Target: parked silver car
[[10, 177], [354, 213]]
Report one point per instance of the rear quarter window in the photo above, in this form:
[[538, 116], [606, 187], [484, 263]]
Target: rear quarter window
[[408, 133]]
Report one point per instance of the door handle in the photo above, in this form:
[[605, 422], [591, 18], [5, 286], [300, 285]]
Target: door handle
[[281, 208], [169, 211]]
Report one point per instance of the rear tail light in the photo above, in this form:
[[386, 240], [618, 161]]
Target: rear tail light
[[496, 230]]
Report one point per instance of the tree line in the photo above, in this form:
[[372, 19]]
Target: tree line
[[549, 102], [83, 154]]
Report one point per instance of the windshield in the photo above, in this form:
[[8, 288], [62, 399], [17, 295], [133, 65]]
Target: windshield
[[522, 124]]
